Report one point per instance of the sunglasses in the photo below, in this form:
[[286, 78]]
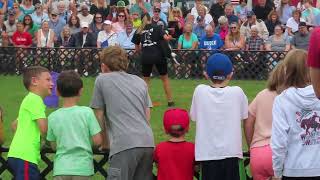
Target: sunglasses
[[53, 15], [233, 27], [156, 11], [121, 15]]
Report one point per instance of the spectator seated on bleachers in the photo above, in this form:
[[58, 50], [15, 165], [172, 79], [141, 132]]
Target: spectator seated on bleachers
[[285, 11], [84, 16], [125, 37], [64, 14], [97, 24], [107, 37], [310, 13], [195, 9], [230, 14], [293, 23], [301, 39], [254, 42], [188, 40], [99, 6], [38, 16], [64, 38], [55, 23], [10, 23], [262, 9], [223, 27], [217, 10], [272, 21], [74, 24], [83, 38], [211, 40], [241, 10], [162, 15], [198, 29], [156, 17], [234, 40], [278, 41], [245, 28]]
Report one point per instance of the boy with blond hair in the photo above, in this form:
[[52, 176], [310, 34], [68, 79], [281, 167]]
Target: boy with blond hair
[[24, 152], [218, 110]]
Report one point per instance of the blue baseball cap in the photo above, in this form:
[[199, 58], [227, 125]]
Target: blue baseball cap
[[219, 66]]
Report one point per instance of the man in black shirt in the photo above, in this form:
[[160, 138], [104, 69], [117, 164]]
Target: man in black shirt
[[217, 10], [262, 10]]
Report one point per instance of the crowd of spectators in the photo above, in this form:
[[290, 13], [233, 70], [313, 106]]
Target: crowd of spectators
[[229, 25]]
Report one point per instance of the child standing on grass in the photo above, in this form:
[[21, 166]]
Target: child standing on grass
[[73, 128], [24, 152], [124, 100], [295, 138], [218, 110], [175, 158]]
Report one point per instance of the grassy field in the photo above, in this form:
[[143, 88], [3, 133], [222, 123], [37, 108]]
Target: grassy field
[[12, 93]]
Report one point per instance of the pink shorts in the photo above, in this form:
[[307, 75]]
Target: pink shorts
[[261, 162]]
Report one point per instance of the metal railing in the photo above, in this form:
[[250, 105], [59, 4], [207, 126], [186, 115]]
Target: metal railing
[[187, 64], [100, 161]]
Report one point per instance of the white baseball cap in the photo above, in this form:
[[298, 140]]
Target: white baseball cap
[[108, 22], [84, 25]]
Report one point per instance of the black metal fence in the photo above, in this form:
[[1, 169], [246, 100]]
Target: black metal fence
[[187, 63], [100, 161]]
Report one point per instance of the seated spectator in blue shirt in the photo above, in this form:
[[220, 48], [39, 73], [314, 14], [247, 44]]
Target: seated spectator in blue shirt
[[198, 29], [125, 37], [211, 40], [38, 16], [55, 23]]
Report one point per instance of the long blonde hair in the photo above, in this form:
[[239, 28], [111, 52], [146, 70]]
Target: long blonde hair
[[295, 70], [234, 37]]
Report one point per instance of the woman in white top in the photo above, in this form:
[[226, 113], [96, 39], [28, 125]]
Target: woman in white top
[[107, 37], [45, 36], [293, 23], [203, 13]]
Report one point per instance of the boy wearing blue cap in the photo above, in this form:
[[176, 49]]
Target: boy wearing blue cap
[[218, 110]]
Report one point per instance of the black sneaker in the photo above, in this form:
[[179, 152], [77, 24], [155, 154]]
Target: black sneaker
[[171, 104]]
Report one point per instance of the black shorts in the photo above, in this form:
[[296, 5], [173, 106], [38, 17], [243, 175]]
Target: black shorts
[[161, 68], [225, 169]]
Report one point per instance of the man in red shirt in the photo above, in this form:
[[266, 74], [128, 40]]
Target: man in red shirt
[[314, 60], [21, 38]]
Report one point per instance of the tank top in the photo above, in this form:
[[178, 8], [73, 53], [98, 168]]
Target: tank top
[[44, 40]]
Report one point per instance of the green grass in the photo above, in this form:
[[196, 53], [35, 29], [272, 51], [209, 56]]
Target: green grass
[[12, 93]]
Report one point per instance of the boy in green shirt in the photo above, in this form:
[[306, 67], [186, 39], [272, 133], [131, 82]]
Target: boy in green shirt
[[24, 152], [73, 128]]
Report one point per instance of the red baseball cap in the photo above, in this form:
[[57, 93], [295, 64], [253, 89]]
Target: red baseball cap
[[176, 116]]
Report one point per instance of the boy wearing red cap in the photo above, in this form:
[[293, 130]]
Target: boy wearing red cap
[[218, 110], [175, 157]]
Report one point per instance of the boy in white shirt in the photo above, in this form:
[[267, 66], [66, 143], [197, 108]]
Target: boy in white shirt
[[218, 110]]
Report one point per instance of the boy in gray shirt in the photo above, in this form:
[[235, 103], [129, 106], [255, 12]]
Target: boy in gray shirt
[[124, 100]]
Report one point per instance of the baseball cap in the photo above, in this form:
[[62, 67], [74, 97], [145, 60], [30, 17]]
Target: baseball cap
[[121, 4], [55, 12], [176, 116], [108, 22], [84, 25], [301, 24], [219, 66], [250, 14], [11, 12]]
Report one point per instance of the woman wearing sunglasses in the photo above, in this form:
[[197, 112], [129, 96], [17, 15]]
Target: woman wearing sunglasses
[[119, 26], [234, 40]]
